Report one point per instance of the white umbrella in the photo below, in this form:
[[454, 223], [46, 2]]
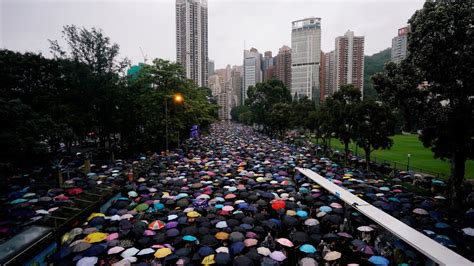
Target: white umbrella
[[365, 228], [263, 251], [468, 231], [145, 251], [130, 252]]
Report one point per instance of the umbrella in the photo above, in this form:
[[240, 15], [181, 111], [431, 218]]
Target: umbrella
[[278, 204], [379, 260], [208, 260], [129, 252], [80, 246], [95, 237], [193, 214], [221, 224], [222, 258], [236, 248], [163, 252], [142, 207], [311, 222], [365, 229], [278, 256], [333, 255], [87, 261], [205, 251], [307, 262], [222, 236], [189, 238], [250, 242], [285, 242], [263, 251], [156, 225], [420, 211], [468, 231], [307, 248], [115, 250]]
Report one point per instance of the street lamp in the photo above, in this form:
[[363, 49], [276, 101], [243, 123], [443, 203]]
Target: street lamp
[[408, 162], [177, 99]]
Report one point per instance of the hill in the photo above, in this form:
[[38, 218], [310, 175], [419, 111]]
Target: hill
[[373, 64]]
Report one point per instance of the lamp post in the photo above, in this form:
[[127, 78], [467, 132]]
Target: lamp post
[[408, 162], [177, 98]]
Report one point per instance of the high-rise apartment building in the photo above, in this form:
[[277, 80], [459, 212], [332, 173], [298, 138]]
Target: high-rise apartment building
[[191, 39], [349, 59], [283, 65], [268, 66], [329, 73], [322, 77], [305, 58], [236, 83], [252, 70], [210, 67], [399, 45]]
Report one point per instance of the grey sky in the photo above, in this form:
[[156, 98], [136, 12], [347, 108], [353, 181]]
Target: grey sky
[[25, 25]]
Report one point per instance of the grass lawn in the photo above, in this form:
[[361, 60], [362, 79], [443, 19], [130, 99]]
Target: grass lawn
[[421, 158]]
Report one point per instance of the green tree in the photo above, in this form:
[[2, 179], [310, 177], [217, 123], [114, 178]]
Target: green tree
[[441, 47], [398, 86], [375, 124], [341, 107], [261, 99], [300, 110], [279, 118]]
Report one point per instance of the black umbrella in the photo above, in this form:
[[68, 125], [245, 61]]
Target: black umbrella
[[242, 261], [222, 258]]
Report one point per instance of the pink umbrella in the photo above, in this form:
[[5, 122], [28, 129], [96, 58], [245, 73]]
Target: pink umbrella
[[335, 181], [285, 242], [228, 208], [336, 205], [112, 236], [278, 256], [149, 233], [250, 242], [209, 173], [115, 250]]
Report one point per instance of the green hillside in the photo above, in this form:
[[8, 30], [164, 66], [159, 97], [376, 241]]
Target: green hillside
[[373, 64]]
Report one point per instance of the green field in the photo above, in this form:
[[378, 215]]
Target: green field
[[421, 158]]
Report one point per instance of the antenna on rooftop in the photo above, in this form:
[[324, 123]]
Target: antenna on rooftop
[[143, 54]]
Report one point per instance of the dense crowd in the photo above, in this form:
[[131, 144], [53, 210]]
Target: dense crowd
[[233, 197]]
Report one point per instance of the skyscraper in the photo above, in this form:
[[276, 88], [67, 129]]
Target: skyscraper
[[329, 73], [399, 45], [305, 57], [236, 81], [283, 65], [322, 77], [191, 39], [349, 60], [210, 67], [252, 70], [267, 66]]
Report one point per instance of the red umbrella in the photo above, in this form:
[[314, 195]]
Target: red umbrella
[[74, 191], [278, 204], [156, 225]]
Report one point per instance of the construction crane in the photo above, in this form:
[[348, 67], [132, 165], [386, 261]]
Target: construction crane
[[144, 55]]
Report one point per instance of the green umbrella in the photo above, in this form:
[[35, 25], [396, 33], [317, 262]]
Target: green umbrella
[[141, 207]]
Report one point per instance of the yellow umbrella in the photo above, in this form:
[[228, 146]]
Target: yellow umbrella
[[95, 237], [222, 236], [95, 214], [209, 260], [65, 238], [193, 214], [162, 252]]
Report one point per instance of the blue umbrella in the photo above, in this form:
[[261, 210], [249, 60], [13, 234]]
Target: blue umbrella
[[442, 225], [325, 209], [236, 247], [189, 238], [302, 214], [379, 260], [307, 248], [205, 251]]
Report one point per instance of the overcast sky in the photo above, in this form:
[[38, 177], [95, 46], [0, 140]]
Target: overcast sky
[[25, 25]]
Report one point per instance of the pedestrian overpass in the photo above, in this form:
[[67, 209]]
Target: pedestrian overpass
[[430, 248]]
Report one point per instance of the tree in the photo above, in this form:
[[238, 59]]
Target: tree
[[341, 107], [300, 110], [261, 99], [236, 111], [279, 118], [441, 47], [375, 124], [398, 86]]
